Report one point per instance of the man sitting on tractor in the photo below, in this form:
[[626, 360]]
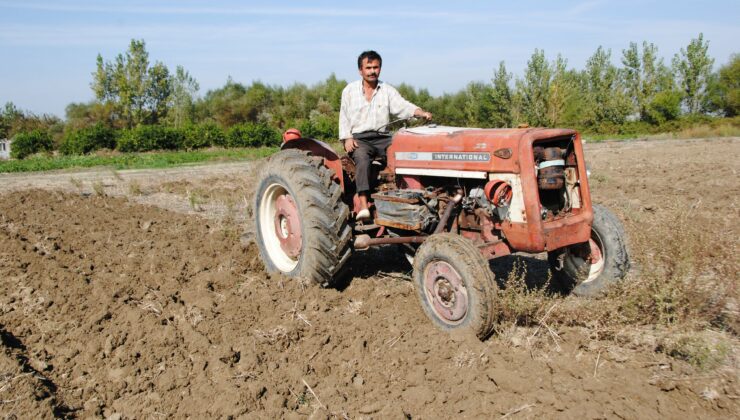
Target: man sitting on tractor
[[367, 105]]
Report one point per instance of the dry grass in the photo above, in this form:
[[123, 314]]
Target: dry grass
[[684, 290], [197, 199], [99, 188], [77, 184], [134, 188], [701, 131]]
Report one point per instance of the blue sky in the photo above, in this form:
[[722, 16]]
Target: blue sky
[[48, 48]]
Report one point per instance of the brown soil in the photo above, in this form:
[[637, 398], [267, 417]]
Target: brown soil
[[142, 302]]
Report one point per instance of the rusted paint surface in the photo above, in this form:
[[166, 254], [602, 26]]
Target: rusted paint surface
[[410, 181], [504, 153], [492, 250], [392, 224]]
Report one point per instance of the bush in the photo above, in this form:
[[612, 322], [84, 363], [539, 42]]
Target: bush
[[88, 140], [253, 135], [321, 127], [203, 135], [26, 144], [665, 106], [150, 137]]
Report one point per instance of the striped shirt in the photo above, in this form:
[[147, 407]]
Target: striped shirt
[[357, 114]]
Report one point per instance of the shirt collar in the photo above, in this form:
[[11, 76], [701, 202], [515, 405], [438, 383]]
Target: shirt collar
[[362, 85]]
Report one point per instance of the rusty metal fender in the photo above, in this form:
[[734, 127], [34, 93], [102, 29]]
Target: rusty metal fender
[[319, 148]]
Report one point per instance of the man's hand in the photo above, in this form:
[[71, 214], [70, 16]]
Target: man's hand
[[350, 145], [423, 114]]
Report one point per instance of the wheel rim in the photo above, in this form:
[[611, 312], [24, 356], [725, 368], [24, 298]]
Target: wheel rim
[[595, 258], [446, 292], [280, 227]]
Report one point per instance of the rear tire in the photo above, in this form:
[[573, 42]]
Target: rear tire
[[301, 221], [589, 268], [455, 284]]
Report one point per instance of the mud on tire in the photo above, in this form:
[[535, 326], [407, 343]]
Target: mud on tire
[[301, 221], [455, 284], [576, 270]]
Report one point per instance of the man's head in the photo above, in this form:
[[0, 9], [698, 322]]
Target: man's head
[[368, 64]]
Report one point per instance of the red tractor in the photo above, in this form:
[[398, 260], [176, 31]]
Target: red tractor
[[453, 198]]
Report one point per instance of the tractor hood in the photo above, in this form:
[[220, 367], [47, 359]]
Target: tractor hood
[[465, 152]]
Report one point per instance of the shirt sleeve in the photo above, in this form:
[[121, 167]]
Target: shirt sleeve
[[398, 105], [345, 125]]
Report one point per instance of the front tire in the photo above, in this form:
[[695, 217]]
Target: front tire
[[301, 221], [455, 284], [589, 268]]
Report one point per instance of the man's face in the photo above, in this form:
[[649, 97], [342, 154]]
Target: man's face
[[370, 70]]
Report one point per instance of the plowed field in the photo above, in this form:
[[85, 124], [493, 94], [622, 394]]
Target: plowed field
[[134, 295]]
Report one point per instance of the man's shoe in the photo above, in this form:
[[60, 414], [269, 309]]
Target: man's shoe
[[363, 214]]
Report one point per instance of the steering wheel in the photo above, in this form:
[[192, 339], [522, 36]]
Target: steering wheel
[[403, 121]]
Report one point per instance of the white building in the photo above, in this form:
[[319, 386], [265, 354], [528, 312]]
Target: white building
[[5, 148]]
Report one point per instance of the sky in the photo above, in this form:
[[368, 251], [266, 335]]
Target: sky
[[48, 48]]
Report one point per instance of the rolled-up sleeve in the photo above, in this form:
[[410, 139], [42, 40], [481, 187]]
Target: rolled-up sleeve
[[398, 105]]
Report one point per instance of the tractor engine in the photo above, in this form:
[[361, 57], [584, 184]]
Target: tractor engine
[[557, 177]]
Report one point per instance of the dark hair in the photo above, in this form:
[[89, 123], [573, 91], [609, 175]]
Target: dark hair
[[371, 56]]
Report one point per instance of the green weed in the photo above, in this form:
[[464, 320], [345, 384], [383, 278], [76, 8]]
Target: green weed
[[134, 160]]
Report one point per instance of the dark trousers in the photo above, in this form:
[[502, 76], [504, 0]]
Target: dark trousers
[[368, 150]]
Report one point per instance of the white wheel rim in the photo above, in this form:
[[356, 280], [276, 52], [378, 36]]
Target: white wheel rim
[[595, 269], [267, 213]]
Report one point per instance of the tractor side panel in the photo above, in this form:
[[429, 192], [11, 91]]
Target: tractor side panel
[[467, 150]]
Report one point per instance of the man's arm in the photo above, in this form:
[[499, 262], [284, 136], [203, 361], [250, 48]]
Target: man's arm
[[345, 124], [399, 106]]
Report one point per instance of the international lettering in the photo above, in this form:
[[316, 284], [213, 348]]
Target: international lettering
[[466, 157]]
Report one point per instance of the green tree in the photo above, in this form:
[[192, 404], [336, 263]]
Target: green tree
[[14, 121], [501, 101], [645, 76], [158, 93], [182, 100], [693, 68], [138, 92], [225, 105], [563, 92], [8, 116], [81, 115], [478, 104], [608, 103], [728, 87], [633, 75], [533, 91]]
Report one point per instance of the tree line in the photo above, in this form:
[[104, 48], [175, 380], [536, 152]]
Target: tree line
[[140, 105]]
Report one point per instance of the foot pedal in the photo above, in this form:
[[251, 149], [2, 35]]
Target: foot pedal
[[361, 227]]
